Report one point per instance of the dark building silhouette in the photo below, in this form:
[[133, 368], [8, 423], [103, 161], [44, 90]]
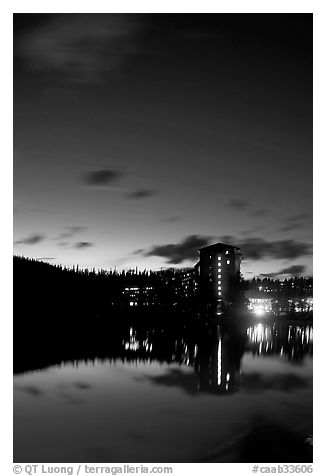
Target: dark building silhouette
[[219, 273]]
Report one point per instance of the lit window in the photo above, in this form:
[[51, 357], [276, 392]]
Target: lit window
[[227, 252], [219, 282], [219, 293], [219, 258], [219, 264], [219, 276], [228, 261], [219, 288]]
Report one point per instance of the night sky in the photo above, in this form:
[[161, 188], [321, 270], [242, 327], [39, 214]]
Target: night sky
[[140, 138]]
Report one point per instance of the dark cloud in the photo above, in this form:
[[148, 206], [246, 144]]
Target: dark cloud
[[176, 253], [269, 275], [82, 385], [78, 48], [83, 244], [259, 212], [258, 248], [140, 251], [291, 227], [251, 248], [295, 222], [238, 204], [299, 217], [142, 193], [253, 230], [294, 270], [172, 219], [102, 177], [31, 240], [71, 231]]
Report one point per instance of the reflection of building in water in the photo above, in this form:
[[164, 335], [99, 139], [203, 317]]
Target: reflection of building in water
[[215, 352], [218, 362], [291, 341], [219, 268]]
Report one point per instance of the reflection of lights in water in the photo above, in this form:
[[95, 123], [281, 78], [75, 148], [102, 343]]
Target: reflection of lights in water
[[132, 345], [310, 334], [227, 377], [219, 362], [256, 333], [260, 347]]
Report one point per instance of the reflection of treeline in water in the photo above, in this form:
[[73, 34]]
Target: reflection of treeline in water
[[195, 344]]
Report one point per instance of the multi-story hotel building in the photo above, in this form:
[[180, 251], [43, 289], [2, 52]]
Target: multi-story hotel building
[[219, 269]]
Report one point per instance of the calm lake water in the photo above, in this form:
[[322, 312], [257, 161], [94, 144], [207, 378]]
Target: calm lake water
[[204, 397]]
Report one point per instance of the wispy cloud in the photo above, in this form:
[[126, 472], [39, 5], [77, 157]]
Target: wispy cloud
[[238, 204], [252, 230], [258, 212], [45, 258], [79, 48], [172, 219], [70, 231], [31, 240], [259, 248], [294, 270], [295, 222], [142, 193]]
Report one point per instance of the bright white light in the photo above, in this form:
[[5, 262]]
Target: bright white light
[[219, 362], [259, 311]]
